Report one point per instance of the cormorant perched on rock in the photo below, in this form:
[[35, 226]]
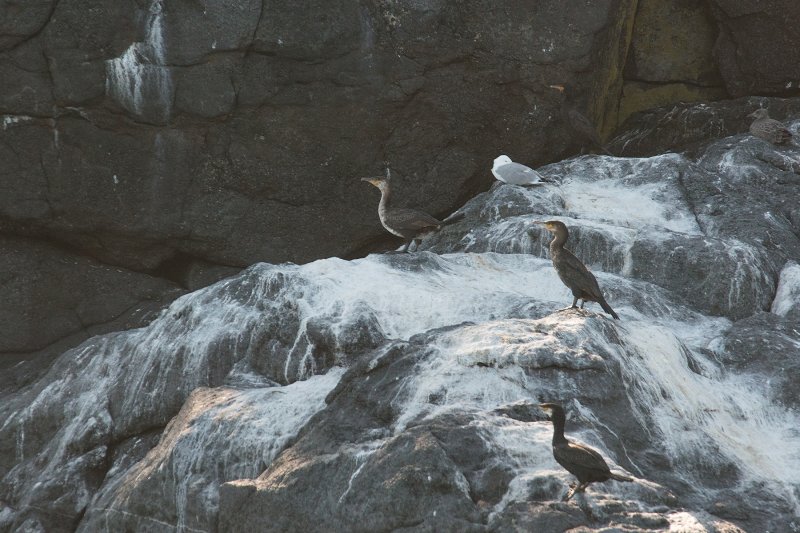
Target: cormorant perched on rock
[[507, 171], [580, 460], [767, 128], [572, 271], [410, 224], [581, 125]]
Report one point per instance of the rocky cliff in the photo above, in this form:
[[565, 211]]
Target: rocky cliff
[[151, 148], [186, 140], [399, 391]]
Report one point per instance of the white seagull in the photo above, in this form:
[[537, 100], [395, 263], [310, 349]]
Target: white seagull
[[509, 172]]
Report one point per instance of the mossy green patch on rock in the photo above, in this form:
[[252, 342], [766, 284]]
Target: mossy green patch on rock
[[609, 86], [638, 96], [673, 41]]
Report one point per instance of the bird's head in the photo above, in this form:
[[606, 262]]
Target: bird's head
[[759, 113], [552, 226], [551, 408], [380, 182], [500, 161]]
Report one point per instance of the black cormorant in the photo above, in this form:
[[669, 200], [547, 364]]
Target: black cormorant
[[580, 460], [410, 224], [581, 125], [767, 128], [572, 271]]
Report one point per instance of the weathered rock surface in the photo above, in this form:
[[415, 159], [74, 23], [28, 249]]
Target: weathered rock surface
[[787, 297], [170, 486], [688, 127], [756, 49], [766, 344], [667, 220], [424, 441], [670, 57], [39, 319]]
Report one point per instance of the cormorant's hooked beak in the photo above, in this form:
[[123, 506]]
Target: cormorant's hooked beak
[[541, 223], [559, 88], [373, 181]]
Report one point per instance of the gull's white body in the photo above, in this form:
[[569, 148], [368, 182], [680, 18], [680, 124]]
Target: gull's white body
[[507, 171]]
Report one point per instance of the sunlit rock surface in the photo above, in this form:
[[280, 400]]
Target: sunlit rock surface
[[399, 391]]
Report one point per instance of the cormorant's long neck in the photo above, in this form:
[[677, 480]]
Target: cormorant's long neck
[[386, 196], [559, 239], [558, 427]]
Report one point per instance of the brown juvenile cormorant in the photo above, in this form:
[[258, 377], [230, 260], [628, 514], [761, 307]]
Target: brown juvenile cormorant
[[580, 460], [572, 271], [410, 224], [767, 128], [581, 125]]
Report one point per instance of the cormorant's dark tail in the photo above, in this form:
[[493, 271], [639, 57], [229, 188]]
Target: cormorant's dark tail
[[455, 217], [607, 308], [605, 150], [620, 477]]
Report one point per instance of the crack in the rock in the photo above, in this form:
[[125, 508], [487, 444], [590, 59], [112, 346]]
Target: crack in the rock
[[250, 49], [685, 193], [38, 32]]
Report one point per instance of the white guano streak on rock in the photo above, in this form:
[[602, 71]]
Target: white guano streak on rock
[[141, 72], [788, 294]]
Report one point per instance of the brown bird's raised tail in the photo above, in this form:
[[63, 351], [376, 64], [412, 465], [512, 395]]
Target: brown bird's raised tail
[[607, 308], [620, 477]]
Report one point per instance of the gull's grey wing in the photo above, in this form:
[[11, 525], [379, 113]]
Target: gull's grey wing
[[517, 174]]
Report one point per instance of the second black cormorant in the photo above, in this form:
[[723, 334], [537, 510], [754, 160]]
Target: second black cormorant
[[579, 460], [410, 224], [572, 271]]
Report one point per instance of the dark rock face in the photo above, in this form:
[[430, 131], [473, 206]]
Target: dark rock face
[[99, 299], [167, 128], [670, 57], [766, 344], [757, 46]]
